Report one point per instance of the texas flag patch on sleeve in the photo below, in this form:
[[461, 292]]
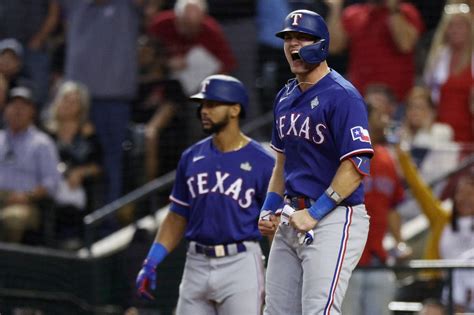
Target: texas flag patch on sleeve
[[359, 133]]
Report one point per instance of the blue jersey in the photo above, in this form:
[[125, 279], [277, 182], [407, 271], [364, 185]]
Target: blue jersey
[[221, 194], [316, 130]]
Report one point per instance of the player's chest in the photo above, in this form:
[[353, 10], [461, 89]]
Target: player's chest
[[220, 173], [305, 119]]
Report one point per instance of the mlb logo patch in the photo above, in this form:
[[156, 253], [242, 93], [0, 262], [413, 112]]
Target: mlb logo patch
[[359, 133]]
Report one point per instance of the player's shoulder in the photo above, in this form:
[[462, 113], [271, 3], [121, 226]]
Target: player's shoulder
[[261, 151], [342, 90], [200, 147]]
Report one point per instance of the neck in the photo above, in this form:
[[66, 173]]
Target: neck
[[229, 139], [308, 79]]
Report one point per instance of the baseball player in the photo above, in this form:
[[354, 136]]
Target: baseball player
[[323, 147], [220, 186]]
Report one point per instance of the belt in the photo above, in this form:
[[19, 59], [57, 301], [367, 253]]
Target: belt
[[221, 250], [299, 202], [302, 202]]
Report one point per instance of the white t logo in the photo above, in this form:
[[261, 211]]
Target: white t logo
[[296, 17], [204, 85]]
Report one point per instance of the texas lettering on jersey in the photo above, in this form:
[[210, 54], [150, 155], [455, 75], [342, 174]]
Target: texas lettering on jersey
[[221, 183], [300, 125]]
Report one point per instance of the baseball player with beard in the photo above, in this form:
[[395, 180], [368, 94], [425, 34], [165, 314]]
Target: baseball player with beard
[[219, 189], [323, 152]]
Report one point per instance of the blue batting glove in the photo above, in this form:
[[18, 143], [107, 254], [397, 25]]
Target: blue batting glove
[[146, 278]]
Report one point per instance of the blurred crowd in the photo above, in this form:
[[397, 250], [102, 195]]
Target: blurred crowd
[[93, 102]]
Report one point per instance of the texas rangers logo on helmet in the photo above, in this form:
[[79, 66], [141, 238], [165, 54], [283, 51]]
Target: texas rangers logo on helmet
[[296, 17], [359, 133]]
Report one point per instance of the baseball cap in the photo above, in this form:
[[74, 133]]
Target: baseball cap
[[22, 92], [11, 44]]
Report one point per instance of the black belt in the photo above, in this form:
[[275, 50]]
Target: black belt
[[221, 250]]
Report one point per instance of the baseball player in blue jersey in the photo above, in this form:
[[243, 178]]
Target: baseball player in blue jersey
[[323, 152], [220, 186]]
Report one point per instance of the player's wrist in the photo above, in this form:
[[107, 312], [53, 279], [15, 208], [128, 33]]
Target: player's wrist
[[157, 253], [273, 202], [323, 205]]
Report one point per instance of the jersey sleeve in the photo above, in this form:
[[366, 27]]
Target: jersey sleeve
[[276, 143], [180, 194], [350, 128]]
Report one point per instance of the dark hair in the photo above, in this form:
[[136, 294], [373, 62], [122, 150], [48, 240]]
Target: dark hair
[[380, 88]]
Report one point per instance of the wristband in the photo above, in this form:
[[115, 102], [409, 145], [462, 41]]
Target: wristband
[[272, 202], [156, 254], [322, 206]]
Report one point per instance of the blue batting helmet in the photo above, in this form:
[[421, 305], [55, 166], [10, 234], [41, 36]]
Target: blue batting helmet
[[223, 88], [311, 23]]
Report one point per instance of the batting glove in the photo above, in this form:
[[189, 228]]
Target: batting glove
[[265, 215], [146, 278], [303, 238], [306, 238]]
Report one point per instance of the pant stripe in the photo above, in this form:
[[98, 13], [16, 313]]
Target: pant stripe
[[340, 260]]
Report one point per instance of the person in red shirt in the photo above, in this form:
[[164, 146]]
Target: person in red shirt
[[449, 72], [369, 292], [194, 41], [380, 36]]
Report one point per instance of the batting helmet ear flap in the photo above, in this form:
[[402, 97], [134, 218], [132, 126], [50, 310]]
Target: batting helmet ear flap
[[315, 53]]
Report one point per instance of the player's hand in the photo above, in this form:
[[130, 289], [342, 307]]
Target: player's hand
[[146, 280], [302, 221], [268, 223]]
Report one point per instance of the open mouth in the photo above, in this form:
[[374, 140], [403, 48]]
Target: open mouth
[[295, 55]]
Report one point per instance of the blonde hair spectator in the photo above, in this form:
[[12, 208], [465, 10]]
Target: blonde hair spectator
[[456, 18], [72, 93]]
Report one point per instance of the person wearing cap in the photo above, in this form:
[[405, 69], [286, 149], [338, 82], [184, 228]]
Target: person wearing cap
[[28, 167], [220, 184], [11, 60]]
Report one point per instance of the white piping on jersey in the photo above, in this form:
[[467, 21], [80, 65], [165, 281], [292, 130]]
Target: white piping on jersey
[[356, 152], [179, 202]]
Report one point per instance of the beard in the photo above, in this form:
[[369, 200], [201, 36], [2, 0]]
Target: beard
[[216, 127]]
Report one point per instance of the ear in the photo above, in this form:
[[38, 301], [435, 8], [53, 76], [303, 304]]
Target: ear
[[235, 110]]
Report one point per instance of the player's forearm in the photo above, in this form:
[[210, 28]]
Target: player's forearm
[[346, 180], [171, 231], [277, 182]]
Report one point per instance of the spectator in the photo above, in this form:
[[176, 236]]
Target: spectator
[[195, 43], [31, 23], [420, 128], [106, 63], [381, 37], [3, 97], [159, 109], [370, 291], [79, 154], [451, 230], [463, 286], [273, 70], [11, 60], [28, 168], [449, 73]]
